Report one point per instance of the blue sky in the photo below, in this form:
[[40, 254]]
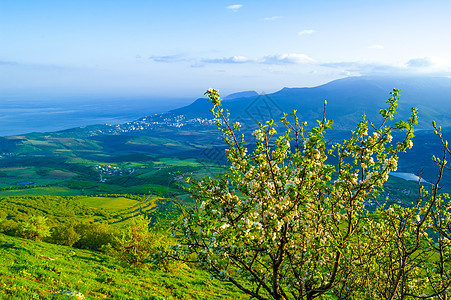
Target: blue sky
[[182, 48]]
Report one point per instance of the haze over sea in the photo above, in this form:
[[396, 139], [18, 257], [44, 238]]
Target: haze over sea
[[25, 114]]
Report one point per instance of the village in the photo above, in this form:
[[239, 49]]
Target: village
[[106, 171], [157, 121]]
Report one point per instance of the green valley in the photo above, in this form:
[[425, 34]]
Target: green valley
[[82, 197]]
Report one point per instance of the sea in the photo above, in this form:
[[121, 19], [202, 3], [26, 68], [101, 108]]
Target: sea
[[21, 115], [408, 176]]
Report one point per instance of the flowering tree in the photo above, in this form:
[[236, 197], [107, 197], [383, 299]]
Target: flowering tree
[[283, 222]]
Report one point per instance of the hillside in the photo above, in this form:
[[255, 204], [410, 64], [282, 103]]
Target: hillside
[[33, 270]]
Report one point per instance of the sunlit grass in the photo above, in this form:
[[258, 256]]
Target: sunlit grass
[[31, 270]]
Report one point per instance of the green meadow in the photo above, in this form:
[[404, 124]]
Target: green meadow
[[108, 202], [38, 270]]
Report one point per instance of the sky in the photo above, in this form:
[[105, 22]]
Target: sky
[[180, 48]]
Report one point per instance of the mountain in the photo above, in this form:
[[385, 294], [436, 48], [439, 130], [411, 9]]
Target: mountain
[[347, 100], [246, 94], [190, 133]]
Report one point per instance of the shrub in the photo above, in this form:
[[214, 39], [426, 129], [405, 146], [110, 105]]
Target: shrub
[[137, 244], [134, 243], [8, 226], [93, 236], [65, 234], [35, 228]]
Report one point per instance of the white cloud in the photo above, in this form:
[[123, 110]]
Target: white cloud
[[293, 58], [306, 31], [167, 58], [424, 62], [273, 18], [240, 59], [424, 65], [234, 7], [229, 60], [376, 47], [279, 59], [366, 68], [429, 64]]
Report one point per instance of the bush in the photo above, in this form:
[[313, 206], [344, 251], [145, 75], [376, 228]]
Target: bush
[[137, 244], [93, 236], [35, 228], [9, 227], [134, 243], [65, 234]]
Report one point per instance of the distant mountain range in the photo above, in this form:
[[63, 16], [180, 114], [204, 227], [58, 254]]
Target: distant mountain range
[[190, 132], [347, 100]]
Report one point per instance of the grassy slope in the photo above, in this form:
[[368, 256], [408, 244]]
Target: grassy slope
[[114, 209], [32, 270]]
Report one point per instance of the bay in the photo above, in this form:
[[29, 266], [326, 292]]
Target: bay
[[21, 115], [408, 176]]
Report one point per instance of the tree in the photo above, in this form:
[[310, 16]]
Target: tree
[[134, 245], [65, 234], [93, 236], [137, 244], [35, 228], [291, 219]]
